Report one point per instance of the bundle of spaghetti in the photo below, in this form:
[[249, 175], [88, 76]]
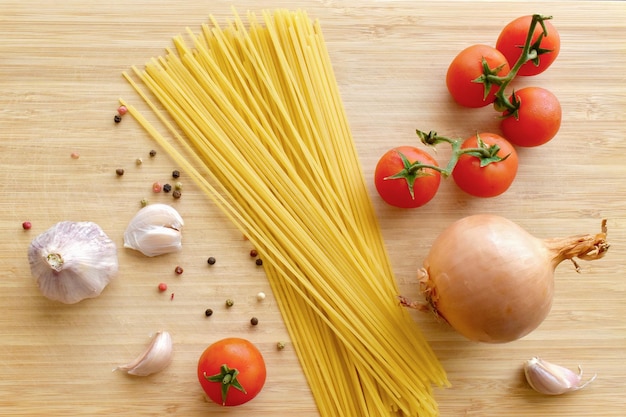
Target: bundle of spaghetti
[[253, 114]]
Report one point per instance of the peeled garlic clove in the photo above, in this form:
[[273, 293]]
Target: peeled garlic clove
[[156, 357], [155, 230], [550, 379], [73, 261]]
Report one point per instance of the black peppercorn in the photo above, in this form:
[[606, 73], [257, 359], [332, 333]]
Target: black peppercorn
[[259, 262], [176, 194], [254, 321], [117, 118], [119, 171], [167, 188], [211, 260], [208, 312], [175, 174], [152, 153]]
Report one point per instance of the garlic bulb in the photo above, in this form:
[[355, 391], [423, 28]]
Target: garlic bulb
[[155, 230], [550, 379], [156, 357], [73, 261]]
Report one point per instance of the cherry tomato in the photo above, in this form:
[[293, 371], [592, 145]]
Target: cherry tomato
[[513, 37], [489, 180], [538, 118], [401, 182], [231, 371], [467, 67]]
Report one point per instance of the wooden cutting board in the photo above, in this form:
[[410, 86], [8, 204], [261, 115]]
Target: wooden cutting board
[[60, 79]]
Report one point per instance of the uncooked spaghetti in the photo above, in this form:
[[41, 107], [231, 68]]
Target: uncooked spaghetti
[[252, 112]]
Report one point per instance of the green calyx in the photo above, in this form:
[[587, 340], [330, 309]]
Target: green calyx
[[411, 172], [227, 378]]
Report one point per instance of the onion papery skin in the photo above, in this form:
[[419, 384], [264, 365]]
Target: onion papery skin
[[489, 279]]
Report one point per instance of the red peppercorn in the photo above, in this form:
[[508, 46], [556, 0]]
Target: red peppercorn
[[253, 253], [122, 110], [178, 270], [27, 225], [156, 187], [162, 287]]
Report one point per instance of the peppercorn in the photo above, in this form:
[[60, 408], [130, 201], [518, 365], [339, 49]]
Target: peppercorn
[[75, 155], [152, 153], [254, 253], [230, 303], [156, 187], [175, 173], [254, 321], [144, 202], [119, 172], [162, 287], [167, 188], [178, 270], [280, 345], [211, 260], [138, 161], [208, 312], [27, 225], [117, 118], [259, 262], [176, 194], [122, 110], [178, 185]]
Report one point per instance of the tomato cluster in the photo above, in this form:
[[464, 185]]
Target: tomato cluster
[[484, 164]]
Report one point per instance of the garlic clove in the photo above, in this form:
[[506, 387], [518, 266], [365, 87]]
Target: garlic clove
[[155, 230], [550, 379], [155, 358], [73, 261]]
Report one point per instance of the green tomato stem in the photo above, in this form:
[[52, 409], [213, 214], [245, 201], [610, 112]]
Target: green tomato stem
[[485, 153], [530, 52]]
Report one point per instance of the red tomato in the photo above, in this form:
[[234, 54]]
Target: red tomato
[[467, 67], [400, 183], [489, 180], [513, 37], [231, 371], [538, 118]]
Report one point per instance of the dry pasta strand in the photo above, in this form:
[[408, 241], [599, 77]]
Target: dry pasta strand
[[252, 113]]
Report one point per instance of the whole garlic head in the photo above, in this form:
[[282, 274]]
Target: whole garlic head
[[155, 230], [73, 261]]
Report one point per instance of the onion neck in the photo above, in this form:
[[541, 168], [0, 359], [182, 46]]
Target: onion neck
[[586, 247]]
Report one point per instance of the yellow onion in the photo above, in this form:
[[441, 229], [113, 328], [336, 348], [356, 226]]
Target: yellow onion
[[492, 281]]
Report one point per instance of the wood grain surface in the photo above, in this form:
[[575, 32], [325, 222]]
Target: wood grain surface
[[60, 79]]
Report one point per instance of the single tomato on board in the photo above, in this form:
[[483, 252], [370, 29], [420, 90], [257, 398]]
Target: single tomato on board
[[536, 121], [483, 177], [465, 72], [231, 371], [513, 37], [407, 177]]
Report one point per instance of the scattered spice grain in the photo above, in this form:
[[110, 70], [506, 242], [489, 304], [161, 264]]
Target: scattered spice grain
[[122, 110], [156, 187], [259, 262], [230, 302], [211, 260], [176, 194], [119, 172], [117, 118], [162, 287], [167, 188], [208, 312], [27, 225], [254, 321], [254, 253], [178, 270], [152, 153], [175, 173]]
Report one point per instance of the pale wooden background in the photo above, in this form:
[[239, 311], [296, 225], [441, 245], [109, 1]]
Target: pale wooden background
[[60, 66]]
